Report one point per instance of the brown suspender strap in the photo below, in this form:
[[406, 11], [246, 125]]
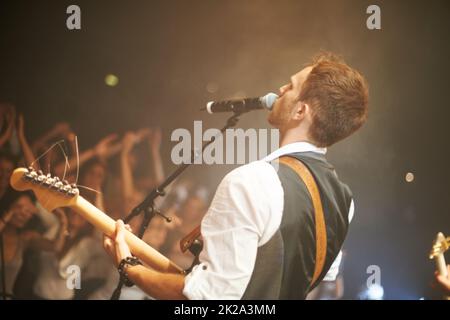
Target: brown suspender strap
[[321, 232], [188, 240]]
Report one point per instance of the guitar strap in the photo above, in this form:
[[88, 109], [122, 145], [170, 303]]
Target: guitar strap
[[321, 232], [189, 239]]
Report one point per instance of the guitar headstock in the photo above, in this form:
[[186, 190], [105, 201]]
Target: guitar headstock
[[50, 191], [440, 245]]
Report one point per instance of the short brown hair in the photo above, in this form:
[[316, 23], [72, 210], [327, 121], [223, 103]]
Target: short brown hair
[[338, 96]]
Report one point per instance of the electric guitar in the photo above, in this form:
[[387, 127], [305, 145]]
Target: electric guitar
[[440, 245], [53, 193]]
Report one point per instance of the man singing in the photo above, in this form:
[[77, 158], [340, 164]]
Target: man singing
[[260, 232]]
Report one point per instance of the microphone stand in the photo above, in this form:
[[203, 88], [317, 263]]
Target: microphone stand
[[147, 206]]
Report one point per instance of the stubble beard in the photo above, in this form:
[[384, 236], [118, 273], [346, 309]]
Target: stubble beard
[[280, 115]]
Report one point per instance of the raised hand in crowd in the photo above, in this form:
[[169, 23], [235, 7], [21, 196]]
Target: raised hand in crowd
[[26, 149], [129, 140], [59, 131], [107, 147], [155, 146], [7, 122]]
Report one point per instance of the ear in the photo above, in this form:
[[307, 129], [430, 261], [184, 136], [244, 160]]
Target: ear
[[301, 109]]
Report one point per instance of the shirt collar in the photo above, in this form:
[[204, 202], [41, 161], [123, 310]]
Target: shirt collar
[[294, 147]]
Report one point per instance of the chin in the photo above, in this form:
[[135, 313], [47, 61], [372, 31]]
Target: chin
[[271, 119]]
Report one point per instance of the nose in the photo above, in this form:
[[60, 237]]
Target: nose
[[283, 89]]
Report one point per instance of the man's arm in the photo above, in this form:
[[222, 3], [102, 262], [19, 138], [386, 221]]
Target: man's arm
[[167, 286], [158, 285]]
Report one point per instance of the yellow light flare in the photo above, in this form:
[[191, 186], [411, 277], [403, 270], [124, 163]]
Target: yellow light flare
[[111, 80]]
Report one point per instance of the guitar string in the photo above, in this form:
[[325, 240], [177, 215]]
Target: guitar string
[[66, 162], [66, 158], [49, 162], [66, 165], [77, 152], [57, 143], [78, 159]]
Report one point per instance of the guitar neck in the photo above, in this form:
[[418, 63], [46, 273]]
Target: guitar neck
[[439, 258], [53, 193], [139, 248], [441, 265]]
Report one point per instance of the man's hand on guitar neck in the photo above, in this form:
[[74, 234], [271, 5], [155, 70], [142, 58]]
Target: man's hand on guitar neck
[[117, 248], [156, 284], [443, 283]]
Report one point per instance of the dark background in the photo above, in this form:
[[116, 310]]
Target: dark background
[[165, 54]]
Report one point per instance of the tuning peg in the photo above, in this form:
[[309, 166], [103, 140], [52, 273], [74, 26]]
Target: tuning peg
[[49, 181], [53, 185], [41, 178], [73, 191], [70, 190], [31, 175], [58, 184]]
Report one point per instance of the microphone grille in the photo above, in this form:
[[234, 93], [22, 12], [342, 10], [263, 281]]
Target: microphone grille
[[268, 100]]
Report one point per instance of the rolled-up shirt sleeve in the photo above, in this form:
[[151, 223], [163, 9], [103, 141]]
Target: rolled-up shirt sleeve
[[244, 214]]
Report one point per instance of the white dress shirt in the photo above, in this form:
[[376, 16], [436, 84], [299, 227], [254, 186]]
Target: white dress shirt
[[245, 213]]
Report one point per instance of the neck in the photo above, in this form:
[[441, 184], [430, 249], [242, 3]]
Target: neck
[[293, 135]]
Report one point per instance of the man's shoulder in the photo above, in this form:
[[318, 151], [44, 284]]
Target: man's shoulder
[[253, 170]]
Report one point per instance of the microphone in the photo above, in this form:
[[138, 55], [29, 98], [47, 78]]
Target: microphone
[[242, 105]]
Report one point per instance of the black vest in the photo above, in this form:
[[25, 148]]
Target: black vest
[[285, 264]]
